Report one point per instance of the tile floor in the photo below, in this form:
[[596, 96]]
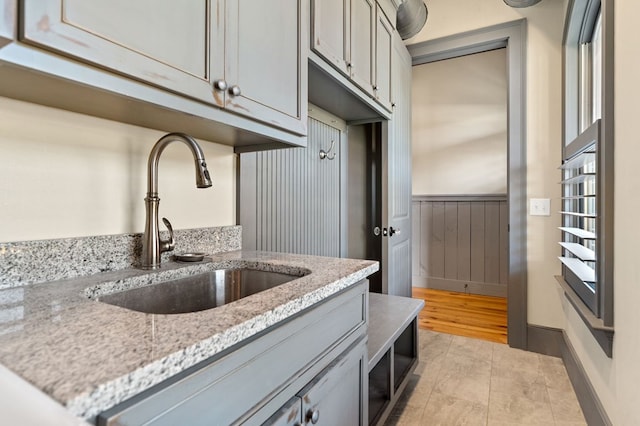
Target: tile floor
[[464, 381]]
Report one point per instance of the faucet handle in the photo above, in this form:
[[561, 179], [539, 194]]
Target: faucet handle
[[169, 244]]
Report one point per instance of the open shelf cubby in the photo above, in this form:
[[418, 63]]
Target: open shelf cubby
[[393, 350]]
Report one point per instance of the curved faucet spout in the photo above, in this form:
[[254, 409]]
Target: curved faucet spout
[[203, 180], [152, 245]]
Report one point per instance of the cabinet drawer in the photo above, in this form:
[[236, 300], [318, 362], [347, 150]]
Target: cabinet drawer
[[243, 380]]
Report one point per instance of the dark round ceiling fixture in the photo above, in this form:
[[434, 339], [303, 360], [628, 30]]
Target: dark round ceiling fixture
[[411, 17], [521, 3]]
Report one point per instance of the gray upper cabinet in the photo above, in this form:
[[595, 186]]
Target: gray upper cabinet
[[233, 72], [165, 43], [229, 54], [361, 63], [383, 69], [343, 33], [354, 36], [265, 66], [330, 31]]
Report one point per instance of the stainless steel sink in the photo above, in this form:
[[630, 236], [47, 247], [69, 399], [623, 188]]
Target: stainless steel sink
[[197, 292]]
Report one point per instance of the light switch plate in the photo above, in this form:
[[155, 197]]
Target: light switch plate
[[540, 207]]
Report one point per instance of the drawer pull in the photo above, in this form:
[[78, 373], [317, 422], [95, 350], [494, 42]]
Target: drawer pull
[[220, 84]]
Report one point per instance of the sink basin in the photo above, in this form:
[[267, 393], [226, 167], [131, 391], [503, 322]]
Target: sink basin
[[197, 292]]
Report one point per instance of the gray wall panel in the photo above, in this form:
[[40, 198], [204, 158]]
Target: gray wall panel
[[477, 242], [415, 242], [461, 243], [436, 242], [464, 241], [451, 241], [492, 242]]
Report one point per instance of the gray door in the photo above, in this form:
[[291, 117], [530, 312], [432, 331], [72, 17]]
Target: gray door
[[396, 179]]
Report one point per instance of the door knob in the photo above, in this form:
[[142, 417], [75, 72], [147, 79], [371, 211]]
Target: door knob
[[392, 231]]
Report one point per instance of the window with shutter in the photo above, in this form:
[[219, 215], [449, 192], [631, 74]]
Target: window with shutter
[[587, 166]]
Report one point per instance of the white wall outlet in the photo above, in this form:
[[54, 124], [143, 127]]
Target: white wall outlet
[[540, 207]]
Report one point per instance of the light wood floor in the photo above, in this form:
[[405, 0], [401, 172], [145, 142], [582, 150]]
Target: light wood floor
[[470, 315]]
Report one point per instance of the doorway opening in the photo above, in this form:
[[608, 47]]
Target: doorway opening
[[459, 205], [363, 196], [512, 37]]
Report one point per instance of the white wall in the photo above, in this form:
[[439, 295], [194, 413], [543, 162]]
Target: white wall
[[544, 117], [616, 380], [64, 174], [459, 125]]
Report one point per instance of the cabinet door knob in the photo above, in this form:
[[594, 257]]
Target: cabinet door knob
[[313, 416], [235, 90], [375, 88], [220, 84]]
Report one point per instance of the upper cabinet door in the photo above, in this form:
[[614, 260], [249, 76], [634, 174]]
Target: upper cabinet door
[[330, 31], [384, 36], [363, 15], [266, 61], [163, 42]]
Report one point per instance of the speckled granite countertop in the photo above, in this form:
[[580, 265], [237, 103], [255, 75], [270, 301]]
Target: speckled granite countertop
[[90, 356]]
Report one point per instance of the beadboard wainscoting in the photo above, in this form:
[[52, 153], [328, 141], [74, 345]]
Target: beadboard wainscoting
[[290, 199], [460, 243]]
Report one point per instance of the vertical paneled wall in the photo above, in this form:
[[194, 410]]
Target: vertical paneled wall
[[290, 198], [460, 243]]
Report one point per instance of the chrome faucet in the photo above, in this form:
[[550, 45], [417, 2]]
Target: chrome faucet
[[152, 244]]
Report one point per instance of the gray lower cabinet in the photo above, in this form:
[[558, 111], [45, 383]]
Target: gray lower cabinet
[[332, 398], [289, 415], [313, 367]]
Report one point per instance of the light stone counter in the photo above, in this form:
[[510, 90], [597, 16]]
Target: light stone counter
[[89, 355]]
